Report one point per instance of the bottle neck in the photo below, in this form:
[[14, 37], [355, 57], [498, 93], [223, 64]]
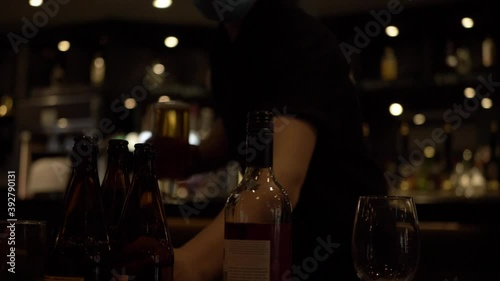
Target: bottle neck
[[259, 152], [117, 160], [145, 167], [86, 164], [259, 174]]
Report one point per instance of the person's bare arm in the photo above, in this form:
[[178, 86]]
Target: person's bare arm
[[200, 259], [294, 143]]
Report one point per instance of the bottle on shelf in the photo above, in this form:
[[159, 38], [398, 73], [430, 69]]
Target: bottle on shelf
[[258, 212], [464, 61], [143, 234], [81, 250], [492, 167], [116, 183], [488, 52], [389, 65], [451, 59], [97, 70]]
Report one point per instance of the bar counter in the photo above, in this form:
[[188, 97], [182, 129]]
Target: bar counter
[[458, 234]]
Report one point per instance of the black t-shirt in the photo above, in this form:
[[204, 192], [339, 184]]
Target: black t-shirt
[[286, 61]]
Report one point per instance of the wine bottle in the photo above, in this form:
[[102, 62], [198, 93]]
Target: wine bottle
[[451, 54], [81, 250], [258, 212], [116, 183], [389, 65], [144, 251], [97, 70], [488, 52]]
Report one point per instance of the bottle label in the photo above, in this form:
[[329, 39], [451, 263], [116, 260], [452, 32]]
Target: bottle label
[[59, 278], [247, 260]]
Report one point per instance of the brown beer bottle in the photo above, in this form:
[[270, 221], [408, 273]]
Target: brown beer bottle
[[116, 183], [145, 251], [81, 250]]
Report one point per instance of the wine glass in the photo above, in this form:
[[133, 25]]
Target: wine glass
[[386, 238]]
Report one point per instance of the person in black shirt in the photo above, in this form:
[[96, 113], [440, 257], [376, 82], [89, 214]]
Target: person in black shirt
[[270, 54]]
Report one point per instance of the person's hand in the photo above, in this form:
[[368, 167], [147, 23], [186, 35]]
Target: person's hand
[[185, 266], [143, 253]]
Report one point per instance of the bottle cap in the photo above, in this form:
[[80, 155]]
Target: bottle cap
[[85, 143], [260, 120], [117, 144], [84, 148], [145, 150]]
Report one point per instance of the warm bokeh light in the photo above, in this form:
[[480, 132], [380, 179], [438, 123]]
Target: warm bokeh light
[[158, 68], [62, 123], [162, 4], [130, 103], [164, 99], [452, 61], [63, 46], [99, 62], [429, 152], [3, 110], [405, 185], [171, 42], [391, 31], [419, 119], [486, 103], [467, 22], [467, 155], [36, 3], [469, 92], [396, 109], [182, 192], [366, 129]]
